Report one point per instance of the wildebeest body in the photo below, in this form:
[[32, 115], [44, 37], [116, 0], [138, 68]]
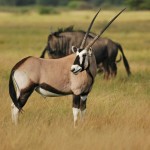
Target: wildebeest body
[[105, 50]]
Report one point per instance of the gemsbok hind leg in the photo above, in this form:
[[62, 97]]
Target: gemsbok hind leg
[[24, 89], [23, 97], [14, 114], [14, 109]]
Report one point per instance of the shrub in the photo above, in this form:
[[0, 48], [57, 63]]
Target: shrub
[[47, 2], [47, 10], [79, 5]]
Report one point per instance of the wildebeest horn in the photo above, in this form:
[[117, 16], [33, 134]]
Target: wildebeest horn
[[87, 33], [102, 31]]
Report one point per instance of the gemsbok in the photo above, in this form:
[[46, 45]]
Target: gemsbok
[[73, 74]]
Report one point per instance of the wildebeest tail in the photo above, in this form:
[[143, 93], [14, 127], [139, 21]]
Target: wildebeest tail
[[125, 61], [12, 91], [44, 51]]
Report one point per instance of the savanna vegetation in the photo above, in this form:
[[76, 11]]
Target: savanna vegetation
[[118, 110], [81, 4]]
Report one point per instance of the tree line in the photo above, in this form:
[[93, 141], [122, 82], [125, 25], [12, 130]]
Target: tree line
[[133, 4]]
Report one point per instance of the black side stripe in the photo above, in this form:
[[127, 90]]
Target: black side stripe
[[52, 89]]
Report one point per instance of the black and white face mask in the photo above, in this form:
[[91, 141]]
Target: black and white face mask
[[81, 61]]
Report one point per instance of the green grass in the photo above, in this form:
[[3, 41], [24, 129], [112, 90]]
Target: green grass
[[118, 114]]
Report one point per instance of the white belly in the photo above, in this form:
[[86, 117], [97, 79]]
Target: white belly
[[46, 93]]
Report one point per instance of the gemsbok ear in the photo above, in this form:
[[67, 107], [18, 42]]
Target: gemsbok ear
[[90, 51], [74, 49]]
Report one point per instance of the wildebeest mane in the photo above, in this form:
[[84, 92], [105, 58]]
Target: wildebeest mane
[[62, 46], [60, 30], [69, 29]]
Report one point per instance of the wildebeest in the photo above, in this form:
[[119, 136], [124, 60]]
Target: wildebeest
[[105, 50], [73, 74]]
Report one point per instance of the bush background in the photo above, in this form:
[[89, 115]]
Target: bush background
[[80, 4]]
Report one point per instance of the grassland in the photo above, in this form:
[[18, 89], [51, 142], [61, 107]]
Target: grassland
[[118, 111]]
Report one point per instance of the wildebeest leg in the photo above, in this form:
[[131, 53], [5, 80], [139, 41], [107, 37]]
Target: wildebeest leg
[[100, 68], [106, 69], [83, 99], [113, 69], [76, 108]]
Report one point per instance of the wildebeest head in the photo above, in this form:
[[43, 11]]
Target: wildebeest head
[[81, 62], [54, 47], [58, 44]]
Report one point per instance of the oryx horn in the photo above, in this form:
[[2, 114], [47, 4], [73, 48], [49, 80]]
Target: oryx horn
[[102, 31], [87, 33]]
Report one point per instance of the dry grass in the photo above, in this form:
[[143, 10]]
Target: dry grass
[[118, 111]]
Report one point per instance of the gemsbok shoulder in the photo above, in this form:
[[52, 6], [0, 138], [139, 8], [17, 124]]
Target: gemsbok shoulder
[[73, 74]]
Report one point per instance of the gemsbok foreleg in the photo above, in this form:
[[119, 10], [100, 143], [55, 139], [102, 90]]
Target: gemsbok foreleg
[[83, 99], [79, 105], [76, 108]]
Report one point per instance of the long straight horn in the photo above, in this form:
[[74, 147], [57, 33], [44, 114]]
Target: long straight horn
[[102, 31], [87, 33]]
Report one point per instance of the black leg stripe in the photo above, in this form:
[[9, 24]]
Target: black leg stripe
[[76, 101]]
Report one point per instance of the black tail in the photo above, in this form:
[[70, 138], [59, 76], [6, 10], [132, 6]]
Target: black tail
[[44, 51], [12, 91], [126, 64]]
